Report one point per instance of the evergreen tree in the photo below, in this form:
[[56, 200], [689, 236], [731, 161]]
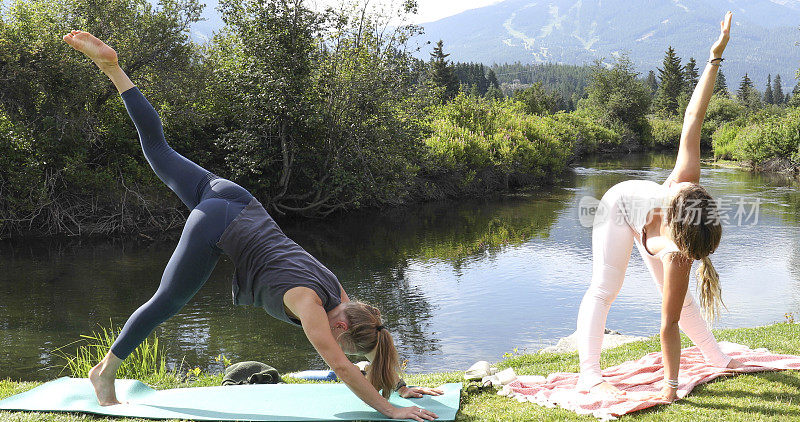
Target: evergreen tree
[[777, 90], [472, 77], [721, 85], [652, 83], [671, 84], [744, 87], [691, 75], [480, 78], [794, 98], [747, 93], [494, 93], [442, 72], [493, 82], [768, 97]]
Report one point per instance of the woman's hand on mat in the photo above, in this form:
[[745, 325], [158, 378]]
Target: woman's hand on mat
[[413, 412], [417, 392], [725, 34]]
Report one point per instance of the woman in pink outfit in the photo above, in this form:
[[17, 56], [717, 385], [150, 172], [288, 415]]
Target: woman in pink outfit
[[672, 225]]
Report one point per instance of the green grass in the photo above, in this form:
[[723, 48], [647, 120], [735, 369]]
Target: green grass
[[769, 396], [147, 361]]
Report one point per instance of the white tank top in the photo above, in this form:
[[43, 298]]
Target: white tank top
[[636, 199]]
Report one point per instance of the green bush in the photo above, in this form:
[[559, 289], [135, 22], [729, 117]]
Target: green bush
[[758, 139], [666, 133], [618, 100], [723, 140], [722, 110], [485, 144], [585, 135]]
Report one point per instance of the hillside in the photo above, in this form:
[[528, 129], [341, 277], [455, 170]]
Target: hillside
[[581, 31]]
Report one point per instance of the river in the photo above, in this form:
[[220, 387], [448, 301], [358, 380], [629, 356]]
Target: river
[[457, 282]]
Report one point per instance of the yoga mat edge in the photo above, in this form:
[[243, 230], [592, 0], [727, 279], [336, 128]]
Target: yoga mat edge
[[272, 402]]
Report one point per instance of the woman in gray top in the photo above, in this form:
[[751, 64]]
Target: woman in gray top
[[272, 271]]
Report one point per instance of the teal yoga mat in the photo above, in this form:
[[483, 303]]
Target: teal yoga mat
[[270, 402]]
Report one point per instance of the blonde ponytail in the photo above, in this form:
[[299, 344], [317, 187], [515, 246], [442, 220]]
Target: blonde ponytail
[[696, 229], [710, 290], [368, 333], [382, 372]]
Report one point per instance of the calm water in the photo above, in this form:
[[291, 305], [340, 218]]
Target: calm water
[[457, 282]]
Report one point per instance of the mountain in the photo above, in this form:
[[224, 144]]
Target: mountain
[[763, 38]]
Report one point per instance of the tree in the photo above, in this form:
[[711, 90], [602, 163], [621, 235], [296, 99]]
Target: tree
[[721, 85], [494, 93], [671, 84], [777, 90], [493, 82], [652, 83], [71, 163], [321, 109], [768, 97], [538, 100], [691, 75], [472, 77], [618, 99], [747, 94], [794, 98], [442, 72]]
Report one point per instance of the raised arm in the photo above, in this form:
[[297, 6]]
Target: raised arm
[[687, 166]]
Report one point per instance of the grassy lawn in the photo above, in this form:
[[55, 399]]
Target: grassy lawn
[[773, 396]]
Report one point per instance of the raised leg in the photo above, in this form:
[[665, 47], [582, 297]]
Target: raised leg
[[188, 180], [184, 177]]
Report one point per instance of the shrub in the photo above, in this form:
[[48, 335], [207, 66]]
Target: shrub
[[666, 133], [585, 135], [482, 145], [759, 139], [723, 140]]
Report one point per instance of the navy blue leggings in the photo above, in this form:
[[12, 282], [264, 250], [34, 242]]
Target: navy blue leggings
[[214, 203]]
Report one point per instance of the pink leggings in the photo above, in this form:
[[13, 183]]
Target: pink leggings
[[612, 242]]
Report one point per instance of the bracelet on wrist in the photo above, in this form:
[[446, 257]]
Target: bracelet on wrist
[[400, 384], [717, 61]]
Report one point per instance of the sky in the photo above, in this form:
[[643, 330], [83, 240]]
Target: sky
[[429, 10]]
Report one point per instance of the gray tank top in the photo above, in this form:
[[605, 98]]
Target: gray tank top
[[268, 264]]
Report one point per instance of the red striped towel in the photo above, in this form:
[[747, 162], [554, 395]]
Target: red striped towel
[[641, 378]]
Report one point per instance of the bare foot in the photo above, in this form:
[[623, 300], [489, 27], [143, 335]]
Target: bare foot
[[103, 386], [606, 387], [100, 53], [734, 364]]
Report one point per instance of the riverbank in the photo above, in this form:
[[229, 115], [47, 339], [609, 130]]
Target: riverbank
[[777, 166], [773, 396]]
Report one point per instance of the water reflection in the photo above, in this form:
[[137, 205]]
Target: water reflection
[[456, 282]]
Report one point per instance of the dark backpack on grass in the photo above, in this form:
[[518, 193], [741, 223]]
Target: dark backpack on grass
[[250, 373]]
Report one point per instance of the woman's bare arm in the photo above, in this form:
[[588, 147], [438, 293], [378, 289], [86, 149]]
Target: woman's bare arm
[[305, 303], [687, 165], [676, 283]]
